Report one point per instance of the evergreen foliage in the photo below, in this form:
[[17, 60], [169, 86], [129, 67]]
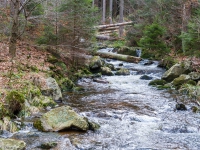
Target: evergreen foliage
[[152, 39], [80, 18], [48, 37], [191, 38], [35, 8]]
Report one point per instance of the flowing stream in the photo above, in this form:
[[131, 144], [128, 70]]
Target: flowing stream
[[132, 115]]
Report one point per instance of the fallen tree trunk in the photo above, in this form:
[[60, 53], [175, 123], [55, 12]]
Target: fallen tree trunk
[[100, 27], [109, 28], [126, 58]]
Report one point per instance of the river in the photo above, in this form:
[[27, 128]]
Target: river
[[132, 115]]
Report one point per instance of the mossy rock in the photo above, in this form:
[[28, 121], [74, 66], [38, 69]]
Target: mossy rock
[[163, 87], [180, 80], [12, 144], [123, 71], [195, 109], [191, 82], [66, 84], [96, 63], [15, 101], [43, 101], [106, 71], [38, 125], [61, 118], [157, 82], [93, 126], [48, 145]]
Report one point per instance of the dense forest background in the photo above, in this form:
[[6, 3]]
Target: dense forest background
[[159, 27]]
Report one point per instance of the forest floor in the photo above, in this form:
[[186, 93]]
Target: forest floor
[[28, 61]]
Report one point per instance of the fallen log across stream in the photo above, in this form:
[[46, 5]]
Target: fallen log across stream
[[126, 58]]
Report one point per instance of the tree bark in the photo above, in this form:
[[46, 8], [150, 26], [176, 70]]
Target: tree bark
[[101, 27], [14, 29], [126, 58], [121, 18], [111, 11], [104, 12]]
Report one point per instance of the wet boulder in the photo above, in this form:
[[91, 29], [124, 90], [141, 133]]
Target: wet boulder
[[12, 144], [181, 80], [181, 107], [194, 76], [61, 118], [123, 71], [96, 63], [176, 70], [149, 62], [146, 77], [157, 82], [111, 66], [48, 145], [106, 71]]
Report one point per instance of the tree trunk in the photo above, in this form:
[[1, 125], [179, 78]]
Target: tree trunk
[[104, 12], [186, 15], [111, 8], [126, 58], [121, 18], [14, 29], [102, 27]]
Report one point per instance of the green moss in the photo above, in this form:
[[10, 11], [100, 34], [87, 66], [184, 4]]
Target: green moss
[[43, 101], [157, 82], [3, 111], [163, 87], [15, 101], [38, 125], [48, 145], [52, 59], [191, 82], [34, 68], [61, 65], [195, 109], [66, 84], [180, 80]]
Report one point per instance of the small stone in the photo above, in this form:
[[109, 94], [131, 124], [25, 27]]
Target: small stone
[[146, 77], [48, 145], [180, 107]]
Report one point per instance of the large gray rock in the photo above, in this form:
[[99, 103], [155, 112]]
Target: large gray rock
[[61, 118], [6, 144], [176, 70], [51, 88], [96, 63]]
